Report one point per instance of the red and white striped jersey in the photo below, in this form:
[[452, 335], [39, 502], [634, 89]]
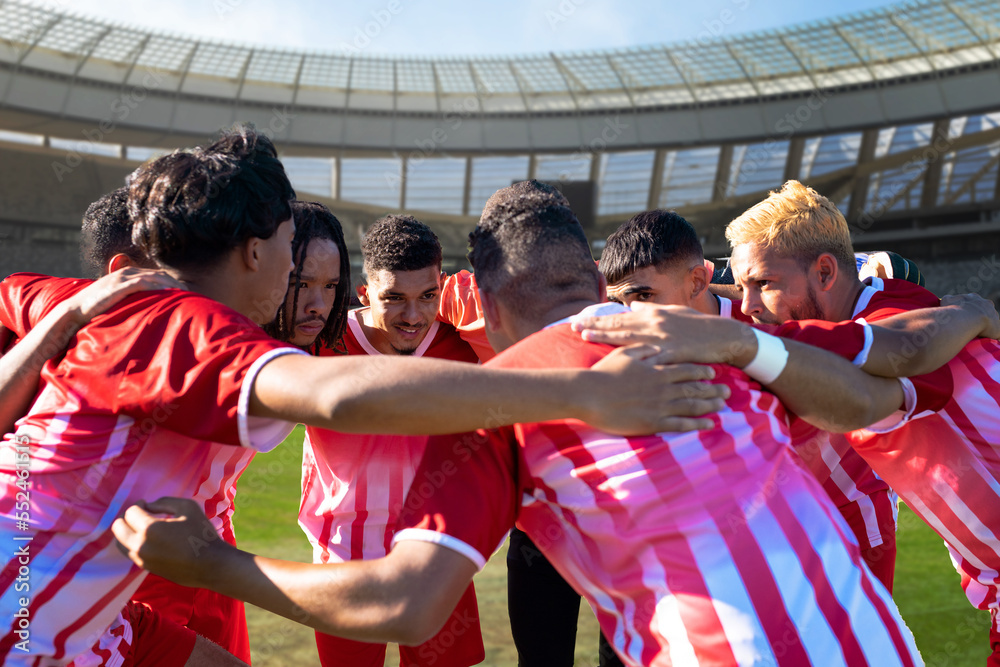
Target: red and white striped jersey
[[353, 485], [945, 462], [866, 501], [149, 400], [711, 547]]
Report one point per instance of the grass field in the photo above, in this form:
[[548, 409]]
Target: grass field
[[949, 632]]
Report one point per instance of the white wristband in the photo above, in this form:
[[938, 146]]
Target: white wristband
[[770, 359]]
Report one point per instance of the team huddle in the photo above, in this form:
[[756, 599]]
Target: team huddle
[[718, 478]]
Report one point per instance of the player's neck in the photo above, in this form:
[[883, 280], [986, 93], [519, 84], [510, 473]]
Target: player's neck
[[525, 327], [706, 303], [221, 286], [844, 301]]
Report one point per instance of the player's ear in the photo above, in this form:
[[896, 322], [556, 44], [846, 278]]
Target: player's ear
[[698, 279], [491, 311], [119, 261], [602, 285], [362, 291], [824, 271], [251, 253]]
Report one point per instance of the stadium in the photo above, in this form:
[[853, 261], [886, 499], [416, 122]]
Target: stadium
[[893, 114]]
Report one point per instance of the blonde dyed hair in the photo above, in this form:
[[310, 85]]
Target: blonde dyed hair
[[798, 223]]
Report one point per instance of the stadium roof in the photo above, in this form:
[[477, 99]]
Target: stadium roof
[[887, 111], [901, 41]]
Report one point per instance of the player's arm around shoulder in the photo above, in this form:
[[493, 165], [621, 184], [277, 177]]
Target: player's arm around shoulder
[[818, 386], [920, 341], [624, 394]]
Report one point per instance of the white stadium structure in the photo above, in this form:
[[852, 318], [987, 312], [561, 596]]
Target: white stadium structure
[[894, 114]]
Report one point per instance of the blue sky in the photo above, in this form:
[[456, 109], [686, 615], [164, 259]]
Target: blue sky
[[460, 27]]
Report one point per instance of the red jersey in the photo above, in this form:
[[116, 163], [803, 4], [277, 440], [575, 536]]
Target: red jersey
[[150, 399], [460, 307], [353, 485], [709, 547]]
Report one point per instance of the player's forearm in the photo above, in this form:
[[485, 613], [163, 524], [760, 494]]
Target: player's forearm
[[412, 396], [822, 388], [831, 393], [21, 367], [404, 597], [356, 599], [732, 292], [921, 341]]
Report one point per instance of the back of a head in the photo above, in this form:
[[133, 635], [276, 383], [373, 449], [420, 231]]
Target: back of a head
[[653, 238], [400, 243], [107, 231], [798, 223], [524, 193], [314, 222], [190, 208], [533, 257]]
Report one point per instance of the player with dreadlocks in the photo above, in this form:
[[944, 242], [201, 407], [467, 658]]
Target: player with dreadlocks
[[319, 288]]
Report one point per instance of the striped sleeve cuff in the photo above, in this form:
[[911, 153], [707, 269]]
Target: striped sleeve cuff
[[899, 418], [257, 432], [862, 357], [434, 537]]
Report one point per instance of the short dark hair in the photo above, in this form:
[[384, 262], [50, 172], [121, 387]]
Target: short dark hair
[[189, 208], [313, 221], [400, 243], [653, 238], [533, 256], [523, 193], [107, 231]]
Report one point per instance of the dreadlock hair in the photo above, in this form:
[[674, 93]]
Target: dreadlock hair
[[313, 221]]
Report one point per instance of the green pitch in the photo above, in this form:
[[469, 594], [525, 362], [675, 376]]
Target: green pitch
[[948, 631]]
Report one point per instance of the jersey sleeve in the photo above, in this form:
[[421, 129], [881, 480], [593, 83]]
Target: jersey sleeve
[[850, 340], [465, 495], [460, 307]]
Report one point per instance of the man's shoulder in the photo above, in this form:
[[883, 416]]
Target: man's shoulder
[[30, 296], [449, 344], [554, 347], [39, 281], [180, 320], [885, 297]]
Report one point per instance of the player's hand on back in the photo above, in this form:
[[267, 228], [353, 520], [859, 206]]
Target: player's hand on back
[[637, 397], [105, 292], [682, 334], [977, 304], [170, 537]]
